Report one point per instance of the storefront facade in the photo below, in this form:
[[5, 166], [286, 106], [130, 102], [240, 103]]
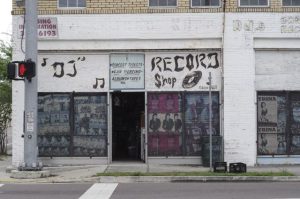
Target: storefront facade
[[117, 87]]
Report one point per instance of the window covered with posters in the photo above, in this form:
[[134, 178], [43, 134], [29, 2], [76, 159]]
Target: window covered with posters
[[278, 123], [178, 121], [72, 125]]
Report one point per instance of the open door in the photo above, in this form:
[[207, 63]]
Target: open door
[[127, 120]]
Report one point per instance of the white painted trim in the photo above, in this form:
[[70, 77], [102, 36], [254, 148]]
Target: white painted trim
[[126, 44], [277, 43], [100, 190]]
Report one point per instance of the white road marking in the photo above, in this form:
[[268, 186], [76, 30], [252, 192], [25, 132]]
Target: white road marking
[[1, 185], [100, 190]]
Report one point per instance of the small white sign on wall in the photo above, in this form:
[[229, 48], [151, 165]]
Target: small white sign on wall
[[47, 28], [127, 71]]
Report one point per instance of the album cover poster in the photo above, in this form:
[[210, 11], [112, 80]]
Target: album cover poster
[[165, 145], [270, 144], [295, 123], [295, 145], [90, 115], [165, 123], [53, 145], [164, 103], [267, 110], [53, 114], [90, 145]]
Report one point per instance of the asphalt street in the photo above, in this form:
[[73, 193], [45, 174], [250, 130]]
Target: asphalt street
[[274, 190]]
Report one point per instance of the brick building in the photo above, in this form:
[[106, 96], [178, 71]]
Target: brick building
[[127, 80]]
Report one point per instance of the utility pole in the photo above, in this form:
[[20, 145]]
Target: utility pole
[[30, 113], [210, 123]]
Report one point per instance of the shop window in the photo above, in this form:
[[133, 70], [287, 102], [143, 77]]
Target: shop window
[[291, 2], [54, 137], [178, 121], [165, 124], [72, 125], [278, 123], [197, 120], [90, 126], [72, 3], [162, 3], [254, 2], [203, 3]]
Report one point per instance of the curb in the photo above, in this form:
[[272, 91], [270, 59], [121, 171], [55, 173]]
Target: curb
[[139, 179], [157, 179]]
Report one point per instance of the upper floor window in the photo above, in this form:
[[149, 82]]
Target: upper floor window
[[200, 3], [254, 2], [291, 2], [72, 3], [162, 3]]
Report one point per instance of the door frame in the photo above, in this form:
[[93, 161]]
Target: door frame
[[110, 119]]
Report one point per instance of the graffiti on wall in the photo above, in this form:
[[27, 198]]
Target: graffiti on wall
[[101, 84], [290, 24], [59, 67], [184, 70], [248, 26], [68, 69]]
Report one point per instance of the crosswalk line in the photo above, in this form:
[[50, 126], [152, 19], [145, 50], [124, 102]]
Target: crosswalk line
[[100, 190]]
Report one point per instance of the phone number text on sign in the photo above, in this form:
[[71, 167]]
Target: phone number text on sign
[[47, 27]]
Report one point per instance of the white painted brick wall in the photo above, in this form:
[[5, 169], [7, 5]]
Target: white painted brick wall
[[161, 31], [242, 29]]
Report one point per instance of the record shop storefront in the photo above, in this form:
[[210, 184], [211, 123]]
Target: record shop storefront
[[141, 106]]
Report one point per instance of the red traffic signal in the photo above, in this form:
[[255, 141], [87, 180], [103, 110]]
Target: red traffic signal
[[26, 69]]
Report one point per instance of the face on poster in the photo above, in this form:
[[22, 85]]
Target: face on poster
[[267, 110], [127, 71]]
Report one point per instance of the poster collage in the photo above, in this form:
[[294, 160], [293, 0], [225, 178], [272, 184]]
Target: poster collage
[[165, 124], [54, 125], [271, 116], [177, 122], [295, 124], [90, 126], [55, 137]]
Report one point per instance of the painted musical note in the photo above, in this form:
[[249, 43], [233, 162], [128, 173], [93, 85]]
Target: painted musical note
[[101, 85]]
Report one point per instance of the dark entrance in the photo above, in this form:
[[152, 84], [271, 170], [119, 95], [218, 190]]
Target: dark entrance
[[127, 120]]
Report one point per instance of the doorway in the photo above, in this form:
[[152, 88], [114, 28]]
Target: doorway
[[127, 120]]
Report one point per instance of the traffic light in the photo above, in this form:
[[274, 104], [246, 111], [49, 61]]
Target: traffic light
[[26, 69], [11, 70]]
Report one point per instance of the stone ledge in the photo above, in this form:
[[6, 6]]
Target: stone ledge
[[29, 174]]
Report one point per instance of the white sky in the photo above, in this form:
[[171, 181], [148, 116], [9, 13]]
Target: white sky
[[5, 19]]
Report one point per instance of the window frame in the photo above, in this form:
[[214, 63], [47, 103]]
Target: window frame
[[69, 8], [162, 7], [219, 6], [72, 133], [254, 6], [289, 6], [289, 95]]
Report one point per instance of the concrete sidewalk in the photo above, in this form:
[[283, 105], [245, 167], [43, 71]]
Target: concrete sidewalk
[[72, 174]]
